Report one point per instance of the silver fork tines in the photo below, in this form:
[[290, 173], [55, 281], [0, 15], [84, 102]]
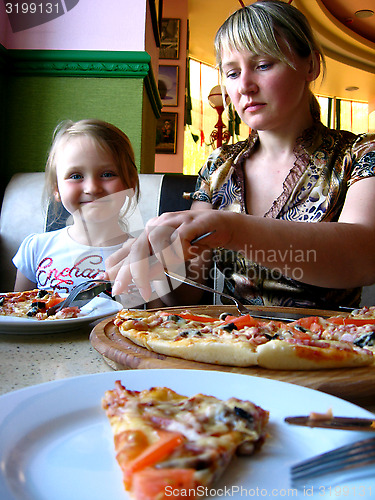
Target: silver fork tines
[[241, 308], [348, 457]]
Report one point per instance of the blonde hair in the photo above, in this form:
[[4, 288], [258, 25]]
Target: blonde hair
[[108, 137], [267, 27]]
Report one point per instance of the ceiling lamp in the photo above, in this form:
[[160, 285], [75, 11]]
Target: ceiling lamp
[[364, 13]]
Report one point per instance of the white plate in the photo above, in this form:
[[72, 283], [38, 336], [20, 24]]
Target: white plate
[[56, 443], [97, 308]]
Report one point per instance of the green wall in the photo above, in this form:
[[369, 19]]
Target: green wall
[[38, 104], [42, 88]]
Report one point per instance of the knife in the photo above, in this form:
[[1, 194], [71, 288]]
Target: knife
[[344, 423], [287, 316], [81, 295]]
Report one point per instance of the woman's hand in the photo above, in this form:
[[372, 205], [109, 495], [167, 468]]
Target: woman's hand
[[164, 244]]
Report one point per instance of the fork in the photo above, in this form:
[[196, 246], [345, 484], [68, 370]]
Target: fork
[[345, 458], [241, 308], [83, 292]]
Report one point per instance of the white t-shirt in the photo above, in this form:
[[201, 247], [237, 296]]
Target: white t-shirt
[[53, 260]]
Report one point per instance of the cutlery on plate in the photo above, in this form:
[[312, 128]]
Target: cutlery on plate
[[346, 459], [81, 295], [242, 309], [344, 423]]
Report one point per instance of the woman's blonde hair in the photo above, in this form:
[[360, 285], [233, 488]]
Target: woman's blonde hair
[[268, 27], [107, 137]]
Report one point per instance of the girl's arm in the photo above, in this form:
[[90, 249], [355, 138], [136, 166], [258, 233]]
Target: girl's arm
[[22, 283]]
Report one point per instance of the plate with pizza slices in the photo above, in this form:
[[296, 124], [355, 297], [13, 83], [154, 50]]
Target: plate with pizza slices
[[25, 312], [70, 451]]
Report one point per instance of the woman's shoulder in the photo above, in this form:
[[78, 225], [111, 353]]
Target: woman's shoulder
[[356, 146], [346, 137], [365, 142], [229, 153], [333, 143]]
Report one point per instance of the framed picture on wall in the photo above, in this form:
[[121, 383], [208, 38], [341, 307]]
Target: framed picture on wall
[[170, 39], [166, 133], [168, 85], [156, 7]]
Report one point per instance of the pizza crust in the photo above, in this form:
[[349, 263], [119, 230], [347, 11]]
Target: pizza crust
[[202, 350]]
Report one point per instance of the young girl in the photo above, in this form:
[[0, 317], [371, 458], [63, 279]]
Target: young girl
[[291, 207], [91, 171]]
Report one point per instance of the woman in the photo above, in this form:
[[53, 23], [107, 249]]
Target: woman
[[264, 198]]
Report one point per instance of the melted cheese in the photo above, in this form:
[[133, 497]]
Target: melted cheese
[[204, 420]]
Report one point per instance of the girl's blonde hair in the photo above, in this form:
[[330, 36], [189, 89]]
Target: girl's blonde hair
[[267, 27], [107, 137]]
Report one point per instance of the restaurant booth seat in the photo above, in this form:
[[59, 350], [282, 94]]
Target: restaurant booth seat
[[24, 212]]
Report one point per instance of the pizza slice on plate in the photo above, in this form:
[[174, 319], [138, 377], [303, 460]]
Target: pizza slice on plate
[[34, 304], [169, 445]]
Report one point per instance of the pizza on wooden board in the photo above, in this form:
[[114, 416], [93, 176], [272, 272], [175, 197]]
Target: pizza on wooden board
[[34, 304], [172, 445], [310, 343]]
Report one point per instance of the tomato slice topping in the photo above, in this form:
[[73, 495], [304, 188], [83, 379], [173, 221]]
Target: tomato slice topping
[[158, 484], [53, 301], [152, 454], [312, 323], [193, 317], [342, 320], [243, 321]]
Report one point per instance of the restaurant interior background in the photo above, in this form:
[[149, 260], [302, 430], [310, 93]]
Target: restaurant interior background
[[346, 30], [102, 59]]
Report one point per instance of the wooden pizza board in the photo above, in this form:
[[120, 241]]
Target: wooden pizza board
[[353, 384]]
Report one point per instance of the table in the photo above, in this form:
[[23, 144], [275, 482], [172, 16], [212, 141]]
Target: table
[[27, 360]]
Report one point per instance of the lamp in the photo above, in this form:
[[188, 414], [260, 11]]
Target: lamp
[[216, 99]]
